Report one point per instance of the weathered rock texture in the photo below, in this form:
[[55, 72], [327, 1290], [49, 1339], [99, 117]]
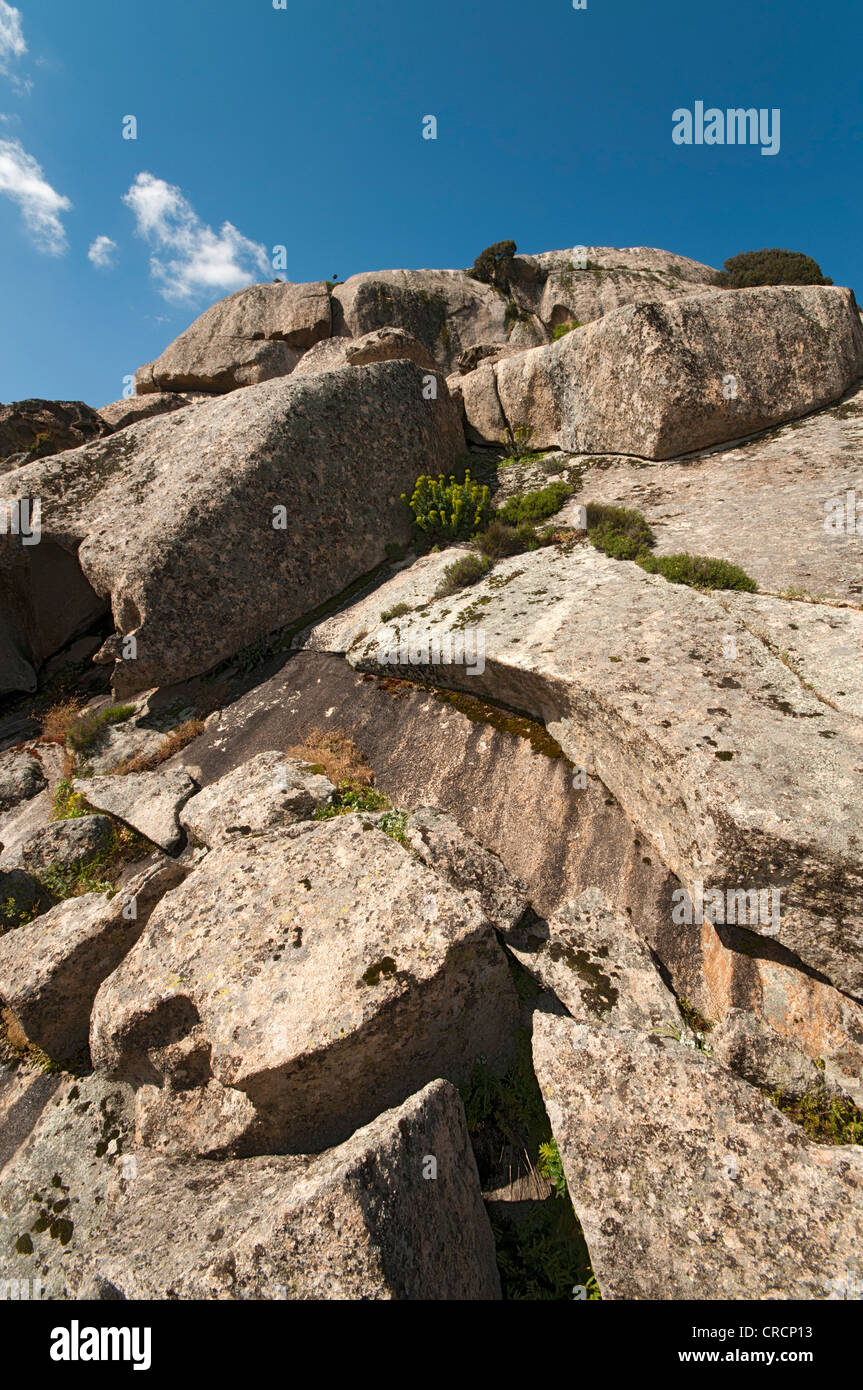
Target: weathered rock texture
[[34, 428], [128, 411], [394, 1213], [21, 776], [663, 379], [253, 335], [172, 520], [687, 1182], [382, 345], [702, 749], [321, 971], [150, 802], [743, 504], [445, 310], [266, 793], [51, 969]]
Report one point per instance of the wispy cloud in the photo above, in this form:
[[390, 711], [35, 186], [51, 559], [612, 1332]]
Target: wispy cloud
[[22, 180], [190, 257], [101, 252], [12, 42], [13, 45]]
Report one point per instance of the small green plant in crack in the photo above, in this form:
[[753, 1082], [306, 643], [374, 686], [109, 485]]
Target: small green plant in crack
[[826, 1118], [698, 572], [516, 442], [534, 507], [67, 804], [461, 573], [351, 796], [394, 824], [398, 611], [561, 330], [551, 1166]]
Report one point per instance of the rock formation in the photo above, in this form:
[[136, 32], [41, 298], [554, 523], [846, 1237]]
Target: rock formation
[[387, 892]]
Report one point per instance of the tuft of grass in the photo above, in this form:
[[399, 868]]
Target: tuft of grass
[[337, 756], [351, 797], [698, 572], [172, 743], [468, 570], [79, 729], [500, 540], [396, 612], [619, 532], [563, 328], [534, 507], [623, 534]]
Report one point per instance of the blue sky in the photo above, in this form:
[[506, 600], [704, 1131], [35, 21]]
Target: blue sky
[[302, 127]]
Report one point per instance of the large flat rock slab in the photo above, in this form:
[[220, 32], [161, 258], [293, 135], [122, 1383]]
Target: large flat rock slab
[[689, 1184], [256, 333], [218, 524], [762, 504], [659, 379], [322, 971], [738, 774]]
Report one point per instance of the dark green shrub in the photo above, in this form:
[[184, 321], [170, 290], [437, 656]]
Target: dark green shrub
[[494, 265], [698, 571], [499, 540], [449, 509], [468, 570], [620, 532], [770, 267], [535, 506], [563, 328]]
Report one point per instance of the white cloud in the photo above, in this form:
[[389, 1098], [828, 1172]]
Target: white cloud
[[22, 180], [101, 252], [12, 42], [191, 258]]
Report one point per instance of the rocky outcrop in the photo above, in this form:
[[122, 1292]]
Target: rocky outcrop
[[687, 1182], [60, 844], [445, 310], [21, 776], [31, 429], [119, 414], [321, 971], [213, 526], [703, 752], [658, 380], [253, 335], [381, 345], [588, 957], [582, 284]]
